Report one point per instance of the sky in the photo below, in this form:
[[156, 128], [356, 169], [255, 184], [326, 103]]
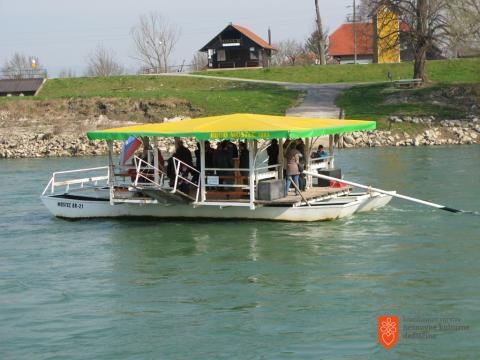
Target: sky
[[61, 33]]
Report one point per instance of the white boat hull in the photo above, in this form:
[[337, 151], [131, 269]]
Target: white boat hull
[[97, 208], [374, 201]]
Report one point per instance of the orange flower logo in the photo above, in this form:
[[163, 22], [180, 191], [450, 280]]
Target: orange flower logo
[[388, 331]]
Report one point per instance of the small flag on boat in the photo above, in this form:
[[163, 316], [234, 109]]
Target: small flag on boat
[[129, 148]]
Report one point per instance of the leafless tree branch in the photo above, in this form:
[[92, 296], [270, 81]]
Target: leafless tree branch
[[101, 62], [154, 39]]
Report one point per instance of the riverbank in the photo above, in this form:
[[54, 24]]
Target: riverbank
[[55, 126], [427, 132], [48, 142]]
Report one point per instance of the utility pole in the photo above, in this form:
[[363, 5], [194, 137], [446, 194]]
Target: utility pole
[[321, 40], [354, 33]]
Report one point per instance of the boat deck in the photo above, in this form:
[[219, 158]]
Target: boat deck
[[310, 194], [154, 195]]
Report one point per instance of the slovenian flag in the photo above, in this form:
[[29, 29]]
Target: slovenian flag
[[129, 148]]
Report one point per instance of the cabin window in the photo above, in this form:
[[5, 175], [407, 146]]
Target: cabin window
[[221, 56], [253, 54]]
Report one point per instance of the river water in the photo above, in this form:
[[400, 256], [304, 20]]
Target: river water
[[111, 289]]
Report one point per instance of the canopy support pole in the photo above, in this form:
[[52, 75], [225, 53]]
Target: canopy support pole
[[251, 174], [110, 162], [331, 148], [308, 148], [280, 159], [201, 180], [156, 175]]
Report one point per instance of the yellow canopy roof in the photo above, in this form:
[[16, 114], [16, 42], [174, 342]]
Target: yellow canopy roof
[[238, 126]]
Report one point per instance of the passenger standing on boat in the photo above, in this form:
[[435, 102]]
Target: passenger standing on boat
[[198, 164], [302, 180], [161, 161], [183, 154], [244, 158], [232, 148], [300, 146], [292, 168], [209, 153], [171, 170], [272, 151], [223, 160]]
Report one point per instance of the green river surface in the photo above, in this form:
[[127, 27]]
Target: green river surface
[[132, 289]]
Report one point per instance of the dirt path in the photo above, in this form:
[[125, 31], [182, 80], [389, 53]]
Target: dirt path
[[319, 102]]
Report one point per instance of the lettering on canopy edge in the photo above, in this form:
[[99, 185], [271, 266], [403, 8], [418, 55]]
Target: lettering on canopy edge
[[239, 135]]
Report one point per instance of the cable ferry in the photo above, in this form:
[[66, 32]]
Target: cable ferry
[[223, 182]]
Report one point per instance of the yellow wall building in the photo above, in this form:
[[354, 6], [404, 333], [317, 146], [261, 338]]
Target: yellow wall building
[[388, 44]]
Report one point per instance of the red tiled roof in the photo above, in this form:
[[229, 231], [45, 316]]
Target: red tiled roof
[[254, 37], [342, 42]]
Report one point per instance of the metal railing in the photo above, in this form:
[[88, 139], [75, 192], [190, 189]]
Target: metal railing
[[24, 74], [145, 173], [182, 68], [82, 182], [260, 174], [321, 163], [140, 167], [178, 164]]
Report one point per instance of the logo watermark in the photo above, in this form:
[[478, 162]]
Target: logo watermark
[[391, 328]]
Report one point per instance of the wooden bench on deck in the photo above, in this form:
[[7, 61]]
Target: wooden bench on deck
[[235, 193]]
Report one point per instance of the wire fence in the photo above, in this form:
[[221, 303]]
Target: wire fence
[[24, 74], [183, 68]]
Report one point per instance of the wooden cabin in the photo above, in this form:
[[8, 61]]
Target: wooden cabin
[[237, 47]]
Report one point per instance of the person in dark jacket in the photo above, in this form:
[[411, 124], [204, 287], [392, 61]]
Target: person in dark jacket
[[183, 154], [244, 159], [171, 171], [208, 155], [300, 145], [272, 151], [223, 160], [232, 148]]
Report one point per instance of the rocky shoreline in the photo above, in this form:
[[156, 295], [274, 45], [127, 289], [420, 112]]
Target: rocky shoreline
[[48, 144], [444, 132]]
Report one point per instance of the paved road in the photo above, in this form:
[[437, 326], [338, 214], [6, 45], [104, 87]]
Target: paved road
[[319, 101]]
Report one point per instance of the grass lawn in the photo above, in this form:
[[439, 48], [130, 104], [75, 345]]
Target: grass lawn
[[209, 96], [378, 101], [445, 71]]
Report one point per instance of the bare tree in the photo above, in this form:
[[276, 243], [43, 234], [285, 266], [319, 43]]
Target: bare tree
[[18, 66], [102, 62], [365, 10], [424, 26], [67, 73], [199, 61], [289, 51], [464, 24], [155, 39], [321, 39]]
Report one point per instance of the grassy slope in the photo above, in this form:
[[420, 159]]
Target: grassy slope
[[368, 102], [209, 95], [460, 70]]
